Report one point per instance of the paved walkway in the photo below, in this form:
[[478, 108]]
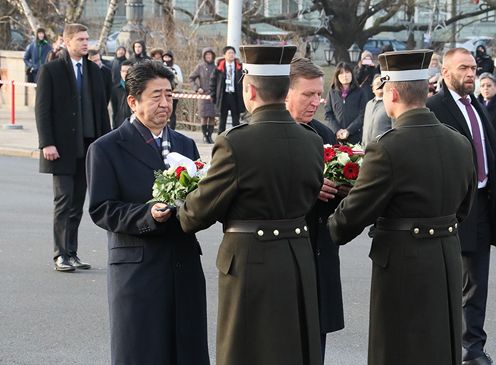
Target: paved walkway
[[24, 142]]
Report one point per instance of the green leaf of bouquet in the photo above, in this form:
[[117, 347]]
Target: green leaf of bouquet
[[185, 179]]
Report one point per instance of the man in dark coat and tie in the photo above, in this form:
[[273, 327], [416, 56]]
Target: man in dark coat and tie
[[268, 311], [456, 106], [305, 91], [226, 89], [156, 286], [416, 183], [71, 112]]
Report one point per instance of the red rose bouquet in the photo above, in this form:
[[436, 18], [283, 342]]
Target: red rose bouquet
[[171, 186], [342, 163]]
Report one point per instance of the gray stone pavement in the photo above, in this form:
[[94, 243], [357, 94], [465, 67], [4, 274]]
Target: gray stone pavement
[[24, 142]]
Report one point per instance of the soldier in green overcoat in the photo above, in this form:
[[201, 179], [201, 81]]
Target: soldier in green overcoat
[[264, 177], [416, 184]]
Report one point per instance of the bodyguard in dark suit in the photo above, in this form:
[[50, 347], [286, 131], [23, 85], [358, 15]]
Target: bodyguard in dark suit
[[118, 100], [96, 57], [305, 91], [156, 286], [268, 311], [456, 106], [71, 112], [226, 89], [416, 183]]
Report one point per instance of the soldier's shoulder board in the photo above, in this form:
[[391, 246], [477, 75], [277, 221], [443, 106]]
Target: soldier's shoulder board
[[380, 136], [236, 128]]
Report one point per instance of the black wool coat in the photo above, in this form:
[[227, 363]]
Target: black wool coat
[[326, 253], [490, 109], [120, 107], [58, 116], [346, 114], [446, 110], [218, 85], [156, 285]]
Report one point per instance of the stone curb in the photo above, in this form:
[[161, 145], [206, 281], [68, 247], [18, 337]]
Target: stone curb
[[19, 152]]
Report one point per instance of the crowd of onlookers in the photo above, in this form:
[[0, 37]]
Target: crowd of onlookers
[[354, 110], [218, 79]]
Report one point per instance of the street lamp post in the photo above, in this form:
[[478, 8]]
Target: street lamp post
[[134, 29], [354, 52], [329, 54], [315, 43]]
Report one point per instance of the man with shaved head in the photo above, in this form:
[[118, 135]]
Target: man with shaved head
[[456, 105]]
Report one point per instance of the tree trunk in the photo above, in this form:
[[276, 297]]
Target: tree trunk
[[169, 26], [341, 52], [80, 8], [70, 11], [107, 24], [34, 23], [5, 35]]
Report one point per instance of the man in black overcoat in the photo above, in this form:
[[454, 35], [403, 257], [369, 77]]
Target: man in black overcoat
[[71, 112], [156, 286], [226, 90], [96, 57], [303, 99], [118, 99], [477, 231]]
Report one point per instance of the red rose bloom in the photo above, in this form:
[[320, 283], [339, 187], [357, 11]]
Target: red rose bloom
[[346, 149], [350, 170], [179, 170], [329, 154], [199, 165]]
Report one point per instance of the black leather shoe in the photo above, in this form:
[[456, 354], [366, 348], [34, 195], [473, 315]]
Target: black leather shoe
[[78, 264], [481, 360], [63, 264]]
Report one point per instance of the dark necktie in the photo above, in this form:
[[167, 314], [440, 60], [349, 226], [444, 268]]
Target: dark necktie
[[79, 78], [158, 141], [476, 138]]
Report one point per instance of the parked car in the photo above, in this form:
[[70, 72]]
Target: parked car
[[18, 40], [375, 46], [110, 46]]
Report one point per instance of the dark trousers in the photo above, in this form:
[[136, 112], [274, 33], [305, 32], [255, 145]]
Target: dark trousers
[[475, 283], [173, 118], [69, 193], [229, 102]]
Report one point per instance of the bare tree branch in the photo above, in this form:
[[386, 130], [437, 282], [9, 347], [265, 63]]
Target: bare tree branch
[[107, 24], [79, 10], [34, 23]]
